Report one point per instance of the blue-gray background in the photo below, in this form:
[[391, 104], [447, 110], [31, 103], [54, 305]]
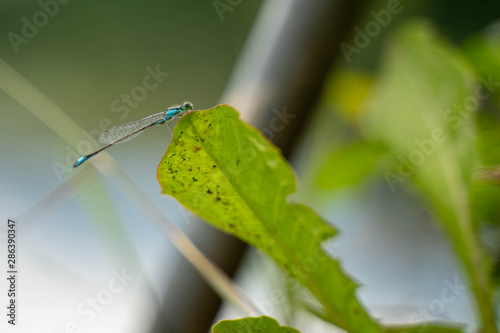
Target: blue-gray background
[[84, 58]]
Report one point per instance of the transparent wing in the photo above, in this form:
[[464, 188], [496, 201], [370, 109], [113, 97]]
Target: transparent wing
[[114, 134]]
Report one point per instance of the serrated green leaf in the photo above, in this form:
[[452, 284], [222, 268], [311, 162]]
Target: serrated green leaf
[[252, 325], [423, 109], [229, 174]]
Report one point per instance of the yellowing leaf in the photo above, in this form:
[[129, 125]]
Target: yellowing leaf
[[229, 174]]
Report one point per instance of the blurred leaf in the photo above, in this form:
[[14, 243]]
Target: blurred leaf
[[348, 165], [485, 193], [488, 129], [483, 49], [422, 108], [485, 198], [425, 328], [346, 90], [226, 172], [496, 272], [483, 52], [256, 324]]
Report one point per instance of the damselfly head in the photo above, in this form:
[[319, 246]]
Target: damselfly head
[[187, 106]]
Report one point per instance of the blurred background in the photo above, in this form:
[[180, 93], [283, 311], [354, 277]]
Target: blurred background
[[90, 257]]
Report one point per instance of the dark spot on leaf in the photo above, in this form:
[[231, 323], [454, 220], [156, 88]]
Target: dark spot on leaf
[[190, 169], [230, 225], [209, 124], [214, 166], [209, 192], [218, 199], [195, 149], [195, 180]]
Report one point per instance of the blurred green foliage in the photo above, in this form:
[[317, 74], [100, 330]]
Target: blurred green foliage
[[251, 325]]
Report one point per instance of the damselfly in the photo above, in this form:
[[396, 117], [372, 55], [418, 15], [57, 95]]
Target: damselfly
[[125, 132]]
